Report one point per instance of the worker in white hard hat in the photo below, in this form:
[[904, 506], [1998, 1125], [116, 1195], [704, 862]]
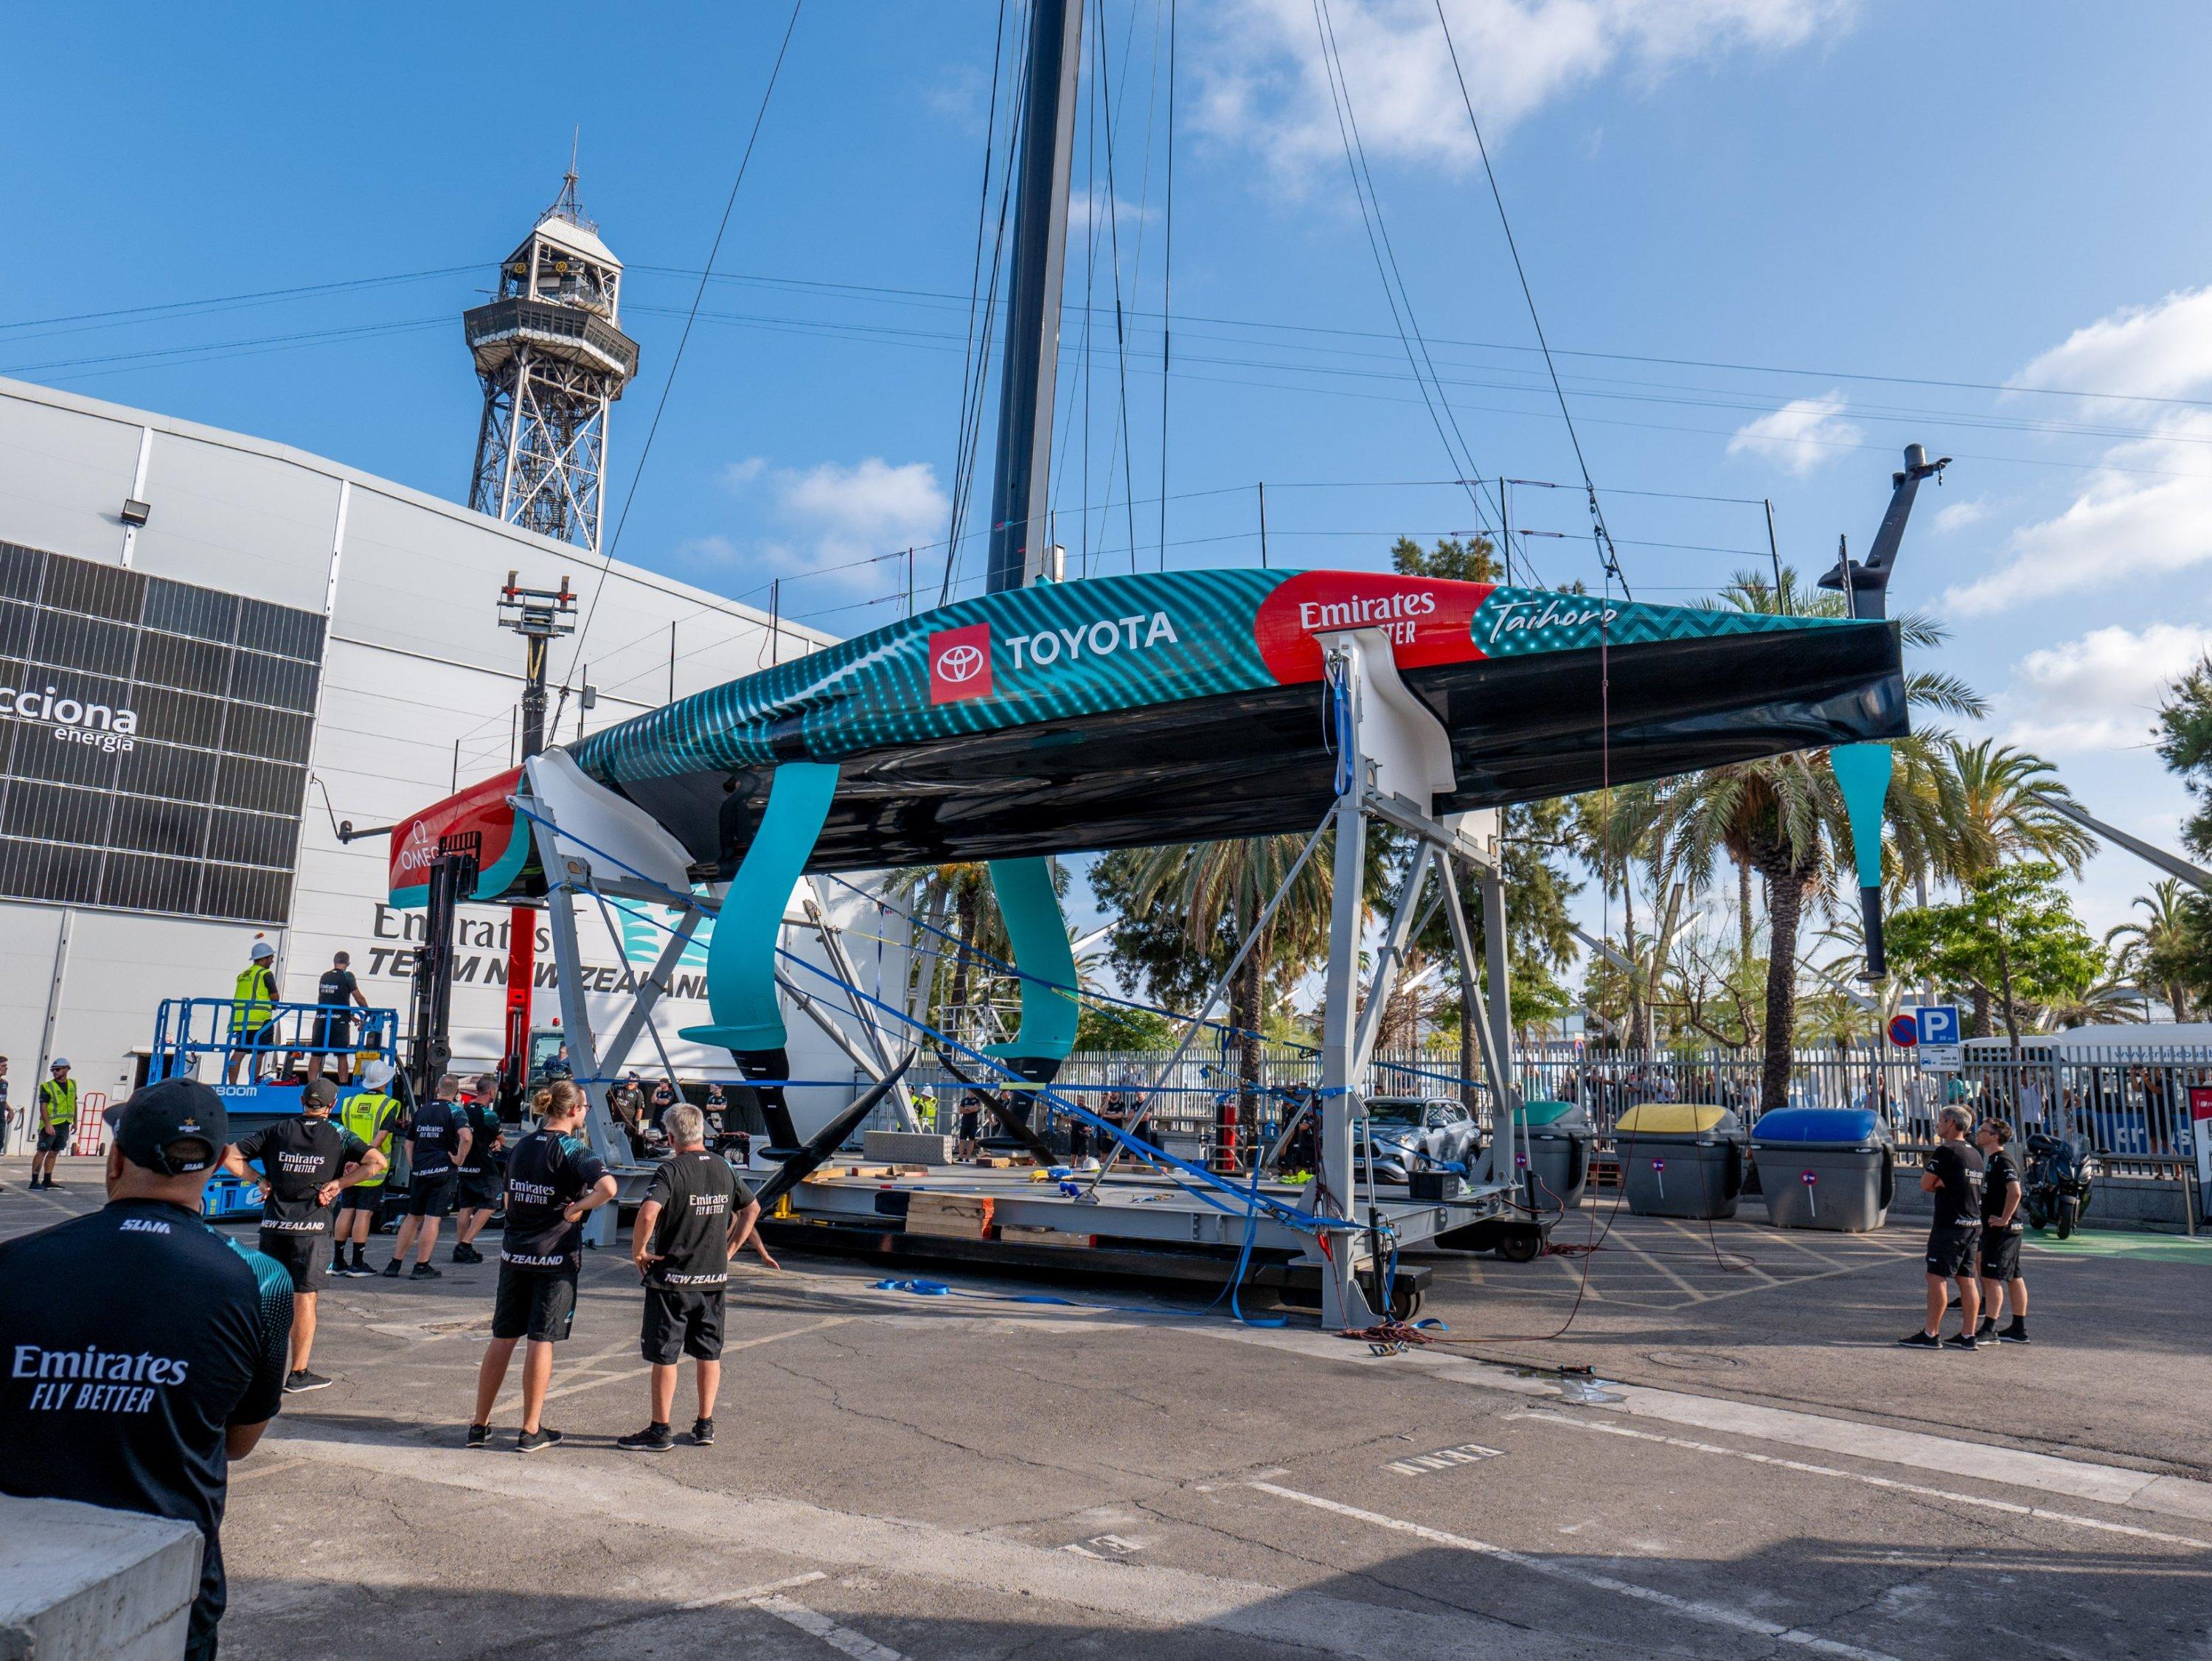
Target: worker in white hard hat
[[372, 1116], [56, 1121], [253, 1011]]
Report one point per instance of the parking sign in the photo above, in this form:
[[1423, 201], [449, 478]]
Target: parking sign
[[1939, 1023]]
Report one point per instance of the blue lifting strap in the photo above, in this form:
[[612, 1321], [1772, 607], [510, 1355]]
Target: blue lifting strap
[[1038, 933], [741, 956]]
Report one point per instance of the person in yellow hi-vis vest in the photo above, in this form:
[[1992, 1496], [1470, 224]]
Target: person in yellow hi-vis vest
[[254, 1012], [56, 1121], [373, 1115]]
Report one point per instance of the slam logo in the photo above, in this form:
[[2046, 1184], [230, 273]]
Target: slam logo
[[73, 722], [960, 663]]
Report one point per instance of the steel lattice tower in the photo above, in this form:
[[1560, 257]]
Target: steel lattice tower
[[552, 360]]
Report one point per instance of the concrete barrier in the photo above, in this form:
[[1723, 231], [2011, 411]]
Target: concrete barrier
[[81, 1582], [907, 1148]]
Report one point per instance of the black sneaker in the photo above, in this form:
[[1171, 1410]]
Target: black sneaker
[[391, 1269], [2016, 1333], [479, 1436], [297, 1383], [1921, 1341], [467, 1254], [654, 1438], [1963, 1341], [703, 1430], [531, 1440], [1987, 1329], [426, 1271]]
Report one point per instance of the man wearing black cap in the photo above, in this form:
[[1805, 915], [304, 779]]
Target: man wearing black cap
[[144, 1351], [305, 1162]]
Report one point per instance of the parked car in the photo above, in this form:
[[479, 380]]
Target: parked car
[[1416, 1133]]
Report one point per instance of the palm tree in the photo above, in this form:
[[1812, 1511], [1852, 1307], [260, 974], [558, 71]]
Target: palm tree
[[962, 888], [2157, 949], [1216, 892], [1784, 815], [2010, 799]]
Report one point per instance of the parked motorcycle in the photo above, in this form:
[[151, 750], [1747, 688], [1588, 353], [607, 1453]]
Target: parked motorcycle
[[2057, 1182]]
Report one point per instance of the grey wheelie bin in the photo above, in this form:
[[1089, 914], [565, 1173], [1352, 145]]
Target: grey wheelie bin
[[1558, 1135], [1825, 1168], [1680, 1159]]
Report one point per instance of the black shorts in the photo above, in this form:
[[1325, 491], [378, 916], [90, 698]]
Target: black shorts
[[263, 1037], [55, 1138], [534, 1303], [1951, 1249], [682, 1321], [333, 1035], [362, 1197], [432, 1197], [968, 1127], [480, 1190], [301, 1254], [2000, 1254]]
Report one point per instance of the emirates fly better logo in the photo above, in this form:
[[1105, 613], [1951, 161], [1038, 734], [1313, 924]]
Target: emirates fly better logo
[[960, 663]]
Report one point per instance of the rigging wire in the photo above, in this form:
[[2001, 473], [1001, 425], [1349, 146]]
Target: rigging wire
[[1603, 537], [667, 385], [1167, 284], [1399, 298], [974, 366]]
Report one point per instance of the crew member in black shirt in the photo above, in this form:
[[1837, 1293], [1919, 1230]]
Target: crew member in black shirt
[[1953, 1176], [334, 1024], [440, 1147], [2001, 1236], [554, 1180], [479, 1172], [696, 1212], [305, 1162], [145, 1351]]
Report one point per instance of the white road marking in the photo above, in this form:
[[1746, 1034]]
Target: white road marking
[[1711, 1614], [511, 1395], [1467, 1453], [1919, 1451], [746, 1594], [844, 1639], [618, 1493], [2006, 1506]]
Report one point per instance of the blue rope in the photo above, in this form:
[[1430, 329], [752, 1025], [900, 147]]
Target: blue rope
[[1288, 1215]]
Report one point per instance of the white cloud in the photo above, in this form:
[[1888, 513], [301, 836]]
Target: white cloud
[[2146, 511], [1958, 516], [1800, 435], [1261, 79], [738, 474], [2159, 351], [874, 501], [1087, 206], [2100, 691]]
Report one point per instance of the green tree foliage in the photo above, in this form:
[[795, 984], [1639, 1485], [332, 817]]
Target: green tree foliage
[[1117, 1027], [2165, 949], [2012, 929], [2185, 744], [1471, 560], [1782, 816]]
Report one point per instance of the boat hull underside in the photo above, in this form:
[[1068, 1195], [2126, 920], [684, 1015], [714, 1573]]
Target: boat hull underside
[[1253, 763]]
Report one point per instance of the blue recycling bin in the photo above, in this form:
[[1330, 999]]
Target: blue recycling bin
[[1832, 1168]]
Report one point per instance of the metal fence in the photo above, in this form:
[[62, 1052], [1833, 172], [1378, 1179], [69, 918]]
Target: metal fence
[[2131, 1102]]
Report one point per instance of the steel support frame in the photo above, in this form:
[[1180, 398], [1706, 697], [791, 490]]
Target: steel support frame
[[1349, 1029]]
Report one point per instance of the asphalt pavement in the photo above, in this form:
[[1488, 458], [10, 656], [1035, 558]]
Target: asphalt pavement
[[1757, 1471]]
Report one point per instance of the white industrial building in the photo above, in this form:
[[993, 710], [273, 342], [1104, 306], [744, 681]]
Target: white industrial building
[[212, 646]]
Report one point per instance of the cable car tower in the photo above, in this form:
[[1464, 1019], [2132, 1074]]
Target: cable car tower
[[552, 360]]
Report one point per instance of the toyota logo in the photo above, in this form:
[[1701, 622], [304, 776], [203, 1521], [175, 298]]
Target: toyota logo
[[959, 663]]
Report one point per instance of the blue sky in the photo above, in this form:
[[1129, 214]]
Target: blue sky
[[1757, 207]]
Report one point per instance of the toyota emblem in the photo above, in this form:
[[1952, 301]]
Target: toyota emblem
[[959, 663]]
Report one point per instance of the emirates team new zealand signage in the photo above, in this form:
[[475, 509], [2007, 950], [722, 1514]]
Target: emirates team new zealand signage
[[1184, 706]]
